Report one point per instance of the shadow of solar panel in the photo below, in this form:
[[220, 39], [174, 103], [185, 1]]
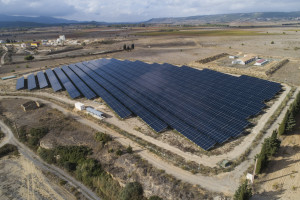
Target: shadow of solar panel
[[42, 80], [56, 86], [73, 92], [31, 82], [20, 83]]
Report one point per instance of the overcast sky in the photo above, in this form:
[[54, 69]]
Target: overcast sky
[[139, 10]]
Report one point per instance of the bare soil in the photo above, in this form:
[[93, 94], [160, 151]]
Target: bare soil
[[20, 179]]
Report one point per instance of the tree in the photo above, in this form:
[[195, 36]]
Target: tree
[[129, 149], [282, 126], [291, 123], [132, 46], [272, 42], [132, 191], [261, 162], [29, 57], [244, 192], [124, 47], [103, 137]]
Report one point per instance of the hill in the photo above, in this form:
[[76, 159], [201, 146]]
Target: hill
[[227, 18]]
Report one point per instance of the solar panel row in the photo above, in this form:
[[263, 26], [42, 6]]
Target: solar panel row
[[206, 106], [56, 86], [84, 89], [42, 80], [73, 92], [89, 77], [31, 82], [20, 83]]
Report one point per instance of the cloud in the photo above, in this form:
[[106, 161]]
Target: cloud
[[36, 7], [137, 10]]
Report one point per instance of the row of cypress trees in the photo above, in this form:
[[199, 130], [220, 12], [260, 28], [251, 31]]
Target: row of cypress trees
[[288, 123], [270, 147]]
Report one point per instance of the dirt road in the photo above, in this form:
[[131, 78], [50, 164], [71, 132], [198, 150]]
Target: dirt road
[[210, 161], [30, 155], [226, 182]]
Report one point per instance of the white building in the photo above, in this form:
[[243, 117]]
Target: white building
[[246, 59], [2, 41], [261, 62], [23, 45], [79, 106]]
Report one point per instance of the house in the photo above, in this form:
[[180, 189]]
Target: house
[[233, 57], [246, 59], [261, 62], [79, 106], [23, 45]]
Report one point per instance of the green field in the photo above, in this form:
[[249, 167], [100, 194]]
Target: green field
[[203, 33]]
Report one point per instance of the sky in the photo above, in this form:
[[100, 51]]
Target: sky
[[139, 10]]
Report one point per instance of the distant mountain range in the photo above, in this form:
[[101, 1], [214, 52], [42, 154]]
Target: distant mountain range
[[227, 18], [39, 20], [21, 21]]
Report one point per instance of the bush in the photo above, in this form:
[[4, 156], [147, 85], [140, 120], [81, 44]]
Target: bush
[[155, 198], [87, 170], [119, 152], [8, 149], [129, 149], [132, 191], [272, 42], [244, 192], [29, 57], [102, 137]]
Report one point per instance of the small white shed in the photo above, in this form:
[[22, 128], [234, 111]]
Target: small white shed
[[79, 106]]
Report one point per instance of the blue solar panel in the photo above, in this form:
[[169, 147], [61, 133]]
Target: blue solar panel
[[56, 86], [84, 89], [42, 80], [73, 92], [31, 82], [20, 83], [206, 106], [89, 77]]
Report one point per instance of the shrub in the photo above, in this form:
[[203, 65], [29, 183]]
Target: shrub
[[155, 198], [272, 42], [244, 192], [102, 137], [8, 149], [119, 152], [87, 169], [132, 191], [129, 149], [29, 57]]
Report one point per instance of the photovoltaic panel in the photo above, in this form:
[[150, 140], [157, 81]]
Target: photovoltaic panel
[[84, 89], [87, 75], [31, 82], [206, 106], [42, 79], [56, 86], [20, 83], [71, 89]]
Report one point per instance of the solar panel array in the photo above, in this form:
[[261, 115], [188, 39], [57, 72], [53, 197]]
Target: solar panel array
[[206, 106], [42, 80]]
